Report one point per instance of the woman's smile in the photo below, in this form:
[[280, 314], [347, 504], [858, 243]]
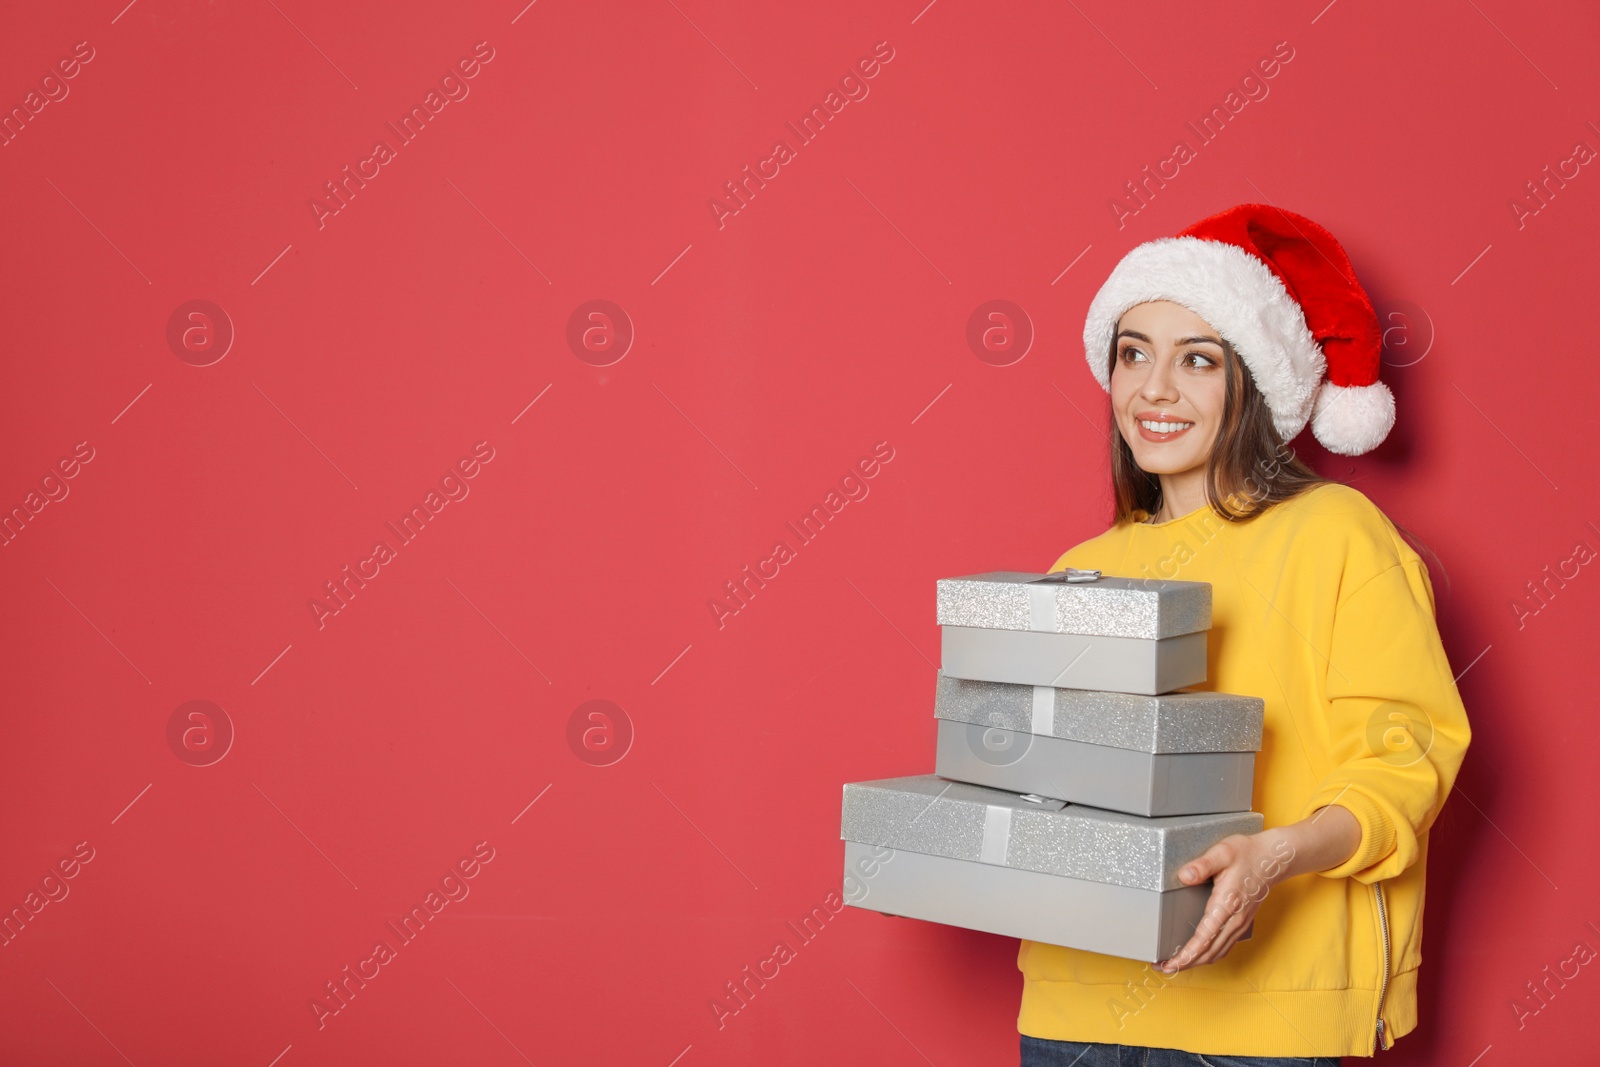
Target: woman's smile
[[1159, 428]]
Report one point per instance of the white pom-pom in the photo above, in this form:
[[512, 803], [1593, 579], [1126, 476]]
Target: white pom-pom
[[1352, 419]]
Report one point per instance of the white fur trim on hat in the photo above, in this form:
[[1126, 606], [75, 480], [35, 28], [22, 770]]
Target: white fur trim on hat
[[1352, 419], [1236, 293]]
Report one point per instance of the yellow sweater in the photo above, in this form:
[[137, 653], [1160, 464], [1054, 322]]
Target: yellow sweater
[[1321, 609]]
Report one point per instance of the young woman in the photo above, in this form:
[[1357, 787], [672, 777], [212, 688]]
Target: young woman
[[1217, 347]]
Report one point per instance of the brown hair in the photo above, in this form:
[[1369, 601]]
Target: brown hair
[[1250, 467]]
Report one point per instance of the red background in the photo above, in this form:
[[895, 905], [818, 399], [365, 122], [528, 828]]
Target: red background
[[372, 753]]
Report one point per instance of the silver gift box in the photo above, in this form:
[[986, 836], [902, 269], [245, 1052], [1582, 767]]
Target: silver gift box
[[1028, 657], [1167, 754], [1132, 635], [1069, 602], [1032, 867]]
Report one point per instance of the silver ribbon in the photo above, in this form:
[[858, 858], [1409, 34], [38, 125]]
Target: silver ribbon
[[1042, 608], [1044, 710], [1042, 597], [996, 834]]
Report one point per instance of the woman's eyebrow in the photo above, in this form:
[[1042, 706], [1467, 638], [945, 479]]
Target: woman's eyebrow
[[1180, 341]]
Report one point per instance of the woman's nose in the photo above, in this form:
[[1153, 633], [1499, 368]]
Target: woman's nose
[[1159, 385]]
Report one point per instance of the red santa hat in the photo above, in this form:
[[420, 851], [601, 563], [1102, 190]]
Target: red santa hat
[[1281, 290]]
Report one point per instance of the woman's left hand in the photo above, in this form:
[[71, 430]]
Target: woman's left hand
[[1244, 867]]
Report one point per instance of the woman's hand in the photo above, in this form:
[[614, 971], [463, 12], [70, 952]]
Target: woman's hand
[[1244, 867]]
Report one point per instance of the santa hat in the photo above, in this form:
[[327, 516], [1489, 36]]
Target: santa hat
[[1282, 292]]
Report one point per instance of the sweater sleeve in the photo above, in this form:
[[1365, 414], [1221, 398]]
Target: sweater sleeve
[[1397, 730]]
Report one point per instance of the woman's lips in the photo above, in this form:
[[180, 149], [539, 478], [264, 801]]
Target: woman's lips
[[1170, 435]]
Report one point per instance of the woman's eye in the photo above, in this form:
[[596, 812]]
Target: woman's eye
[[1130, 352], [1204, 360]]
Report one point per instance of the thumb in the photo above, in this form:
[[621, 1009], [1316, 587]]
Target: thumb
[[1207, 864]]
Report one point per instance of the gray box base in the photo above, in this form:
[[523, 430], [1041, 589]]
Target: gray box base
[[1074, 661], [1120, 779], [1138, 924]]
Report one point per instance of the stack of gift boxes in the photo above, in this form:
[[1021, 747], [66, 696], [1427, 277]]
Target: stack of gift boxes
[[1075, 775]]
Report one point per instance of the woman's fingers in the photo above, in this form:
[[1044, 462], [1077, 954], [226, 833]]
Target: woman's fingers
[[1205, 932], [1228, 912], [1180, 959], [1225, 938], [1237, 890]]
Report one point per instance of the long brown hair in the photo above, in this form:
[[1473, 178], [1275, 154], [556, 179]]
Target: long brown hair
[[1250, 468]]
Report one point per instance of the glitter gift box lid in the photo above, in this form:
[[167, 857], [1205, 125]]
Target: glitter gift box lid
[[1180, 721], [938, 817], [1104, 606]]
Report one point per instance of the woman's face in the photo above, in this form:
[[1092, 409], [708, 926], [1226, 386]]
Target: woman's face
[[1167, 386]]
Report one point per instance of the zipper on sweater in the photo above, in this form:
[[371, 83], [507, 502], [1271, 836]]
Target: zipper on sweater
[[1383, 988]]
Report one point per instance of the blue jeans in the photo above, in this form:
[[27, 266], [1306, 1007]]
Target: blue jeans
[[1039, 1052]]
